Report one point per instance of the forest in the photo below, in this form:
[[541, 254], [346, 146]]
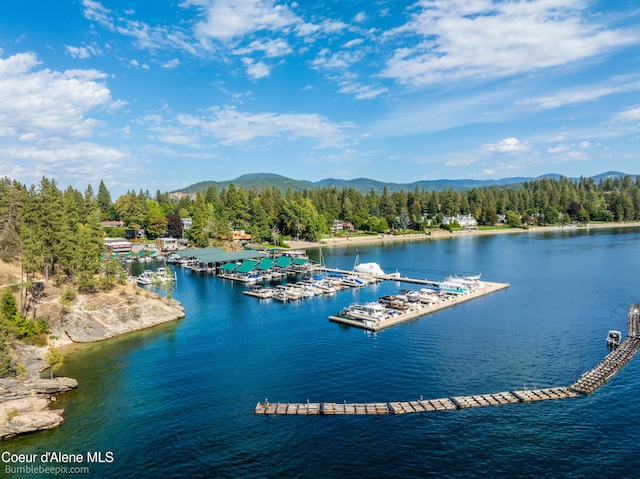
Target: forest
[[57, 233]]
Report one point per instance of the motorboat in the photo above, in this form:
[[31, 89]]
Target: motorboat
[[614, 338]]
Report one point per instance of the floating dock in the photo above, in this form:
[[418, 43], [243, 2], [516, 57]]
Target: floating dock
[[400, 318], [587, 383], [408, 407]]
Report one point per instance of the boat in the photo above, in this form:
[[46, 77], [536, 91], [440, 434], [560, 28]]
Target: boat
[[354, 281], [453, 287], [261, 292], [145, 277], [365, 312], [159, 276], [614, 338], [471, 282]]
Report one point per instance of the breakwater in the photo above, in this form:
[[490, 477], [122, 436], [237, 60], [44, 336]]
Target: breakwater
[[585, 385]]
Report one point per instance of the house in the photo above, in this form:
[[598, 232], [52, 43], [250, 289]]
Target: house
[[186, 223], [240, 235], [117, 245], [112, 224], [339, 225], [465, 221], [167, 244]]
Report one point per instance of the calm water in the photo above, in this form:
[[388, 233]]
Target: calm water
[[178, 400]]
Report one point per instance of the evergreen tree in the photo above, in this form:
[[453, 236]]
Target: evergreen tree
[[107, 210]]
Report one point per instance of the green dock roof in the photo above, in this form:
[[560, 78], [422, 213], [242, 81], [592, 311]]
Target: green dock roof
[[265, 264], [283, 261], [218, 255], [228, 267], [300, 261], [246, 267]]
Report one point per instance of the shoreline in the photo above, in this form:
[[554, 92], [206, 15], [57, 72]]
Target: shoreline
[[443, 234]]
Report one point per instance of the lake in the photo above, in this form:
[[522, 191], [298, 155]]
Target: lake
[[178, 400]]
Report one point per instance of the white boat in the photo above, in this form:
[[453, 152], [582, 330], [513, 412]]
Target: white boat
[[453, 287], [159, 276], [471, 282], [369, 268], [354, 281], [614, 338], [145, 277], [371, 311]]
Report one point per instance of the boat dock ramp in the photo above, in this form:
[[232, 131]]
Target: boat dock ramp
[[587, 384]]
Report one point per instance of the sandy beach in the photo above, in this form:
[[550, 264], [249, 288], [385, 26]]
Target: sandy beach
[[443, 234]]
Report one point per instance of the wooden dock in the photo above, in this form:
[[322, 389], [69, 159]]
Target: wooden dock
[[408, 407], [587, 383], [400, 318], [610, 365]]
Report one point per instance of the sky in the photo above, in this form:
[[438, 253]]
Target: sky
[[163, 94]]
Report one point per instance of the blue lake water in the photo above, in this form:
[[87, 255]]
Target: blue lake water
[[178, 400]]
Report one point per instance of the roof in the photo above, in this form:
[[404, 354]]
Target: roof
[[283, 261], [228, 267], [218, 255], [246, 267], [265, 264], [300, 261]]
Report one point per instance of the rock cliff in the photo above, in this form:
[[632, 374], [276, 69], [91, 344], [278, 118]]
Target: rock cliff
[[94, 318], [24, 405]]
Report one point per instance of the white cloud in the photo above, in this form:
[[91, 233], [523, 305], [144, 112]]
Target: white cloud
[[632, 114], [557, 149], [171, 64], [361, 92], [229, 19], [83, 52], [578, 95], [64, 161], [342, 59], [271, 48], [146, 36], [256, 70], [36, 104], [508, 145], [585, 144], [450, 40], [360, 17], [231, 127]]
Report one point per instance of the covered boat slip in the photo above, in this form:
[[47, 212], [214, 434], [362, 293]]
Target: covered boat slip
[[246, 265]]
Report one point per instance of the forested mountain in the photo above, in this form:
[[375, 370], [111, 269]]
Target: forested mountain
[[261, 180]]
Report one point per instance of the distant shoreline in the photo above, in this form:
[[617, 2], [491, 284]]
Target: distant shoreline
[[443, 234]]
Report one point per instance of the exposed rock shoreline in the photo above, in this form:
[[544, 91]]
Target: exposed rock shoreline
[[24, 404], [95, 318]]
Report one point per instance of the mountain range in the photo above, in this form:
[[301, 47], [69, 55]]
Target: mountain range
[[261, 180]]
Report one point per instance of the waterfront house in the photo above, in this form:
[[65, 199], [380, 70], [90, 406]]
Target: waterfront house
[[167, 244]]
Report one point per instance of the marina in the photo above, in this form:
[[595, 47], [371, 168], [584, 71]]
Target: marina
[[587, 384], [373, 318]]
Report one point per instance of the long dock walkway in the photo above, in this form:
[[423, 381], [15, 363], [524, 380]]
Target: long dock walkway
[[587, 383]]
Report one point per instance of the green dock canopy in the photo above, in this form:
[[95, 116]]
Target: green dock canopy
[[246, 267], [265, 264], [283, 261], [300, 261], [228, 267]]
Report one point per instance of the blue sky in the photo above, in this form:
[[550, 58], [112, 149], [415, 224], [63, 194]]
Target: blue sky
[[163, 94]]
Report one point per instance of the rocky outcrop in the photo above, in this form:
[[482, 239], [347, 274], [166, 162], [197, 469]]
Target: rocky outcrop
[[24, 405], [94, 318]]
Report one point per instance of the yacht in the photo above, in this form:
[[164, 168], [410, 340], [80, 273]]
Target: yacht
[[370, 312]]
